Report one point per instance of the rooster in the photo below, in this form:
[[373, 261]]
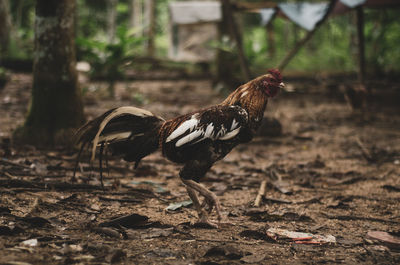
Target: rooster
[[196, 140]]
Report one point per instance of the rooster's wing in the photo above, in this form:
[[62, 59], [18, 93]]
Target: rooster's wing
[[220, 123]]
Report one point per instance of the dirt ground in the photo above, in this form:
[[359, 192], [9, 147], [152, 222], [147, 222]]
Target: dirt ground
[[331, 173]]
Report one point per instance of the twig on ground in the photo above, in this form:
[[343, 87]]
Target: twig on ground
[[361, 218], [59, 186], [9, 175], [6, 161], [279, 184], [366, 153], [34, 206], [261, 193]]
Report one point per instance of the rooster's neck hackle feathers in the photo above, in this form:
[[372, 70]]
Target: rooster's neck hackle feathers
[[251, 97]]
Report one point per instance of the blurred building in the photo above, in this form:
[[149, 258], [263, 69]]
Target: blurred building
[[193, 29]]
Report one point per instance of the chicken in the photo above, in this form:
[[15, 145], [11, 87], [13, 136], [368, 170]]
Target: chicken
[[196, 140]]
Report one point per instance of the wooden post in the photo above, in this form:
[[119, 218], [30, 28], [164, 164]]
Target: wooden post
[[271, 37], [360, 43], [300, 44], [226, 5], [271, 40]]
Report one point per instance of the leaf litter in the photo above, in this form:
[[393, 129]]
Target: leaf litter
[[320, 182]]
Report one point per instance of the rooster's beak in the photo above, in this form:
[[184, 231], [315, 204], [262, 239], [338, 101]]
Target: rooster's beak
[[281, 85]]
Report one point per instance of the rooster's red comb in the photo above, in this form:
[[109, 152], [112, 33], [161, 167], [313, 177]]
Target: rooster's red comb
[[275, 73]]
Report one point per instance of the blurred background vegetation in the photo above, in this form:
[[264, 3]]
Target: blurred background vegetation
[[332, 49]]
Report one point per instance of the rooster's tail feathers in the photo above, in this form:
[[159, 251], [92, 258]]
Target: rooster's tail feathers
[[128, 131]]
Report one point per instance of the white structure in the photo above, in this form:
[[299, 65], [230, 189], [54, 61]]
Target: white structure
[[193, 26]]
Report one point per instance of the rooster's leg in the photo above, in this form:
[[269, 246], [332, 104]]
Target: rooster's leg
[[209, 203], [203, 216], [209, 196]]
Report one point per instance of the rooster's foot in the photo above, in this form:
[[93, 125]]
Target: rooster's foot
[[204, 222], [210, 198]]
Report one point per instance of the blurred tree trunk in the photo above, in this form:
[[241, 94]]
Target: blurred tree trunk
[[56, 104], [132, 4], [135, 16], [5, 26], [295, 32], [111, 19], [150, 24], [18, 14], [286, 34]]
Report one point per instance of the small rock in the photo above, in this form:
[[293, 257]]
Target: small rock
[[254, 258], [30, 242], [116, 255], [229, 252]]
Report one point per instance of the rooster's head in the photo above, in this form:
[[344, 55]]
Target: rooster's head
[[271, 82]]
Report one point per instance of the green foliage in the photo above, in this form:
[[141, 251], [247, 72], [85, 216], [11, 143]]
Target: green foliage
[[139, 99], [333, 46], [2, 72], [327, 50], [162, 19], [225, 44], [90, 20], [109, 59], [3, 77], [22, 35], [382, 37], [23, 13], [21, 44]]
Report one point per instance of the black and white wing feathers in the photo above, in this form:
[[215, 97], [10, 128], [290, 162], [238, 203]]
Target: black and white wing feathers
[[221, 123]]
